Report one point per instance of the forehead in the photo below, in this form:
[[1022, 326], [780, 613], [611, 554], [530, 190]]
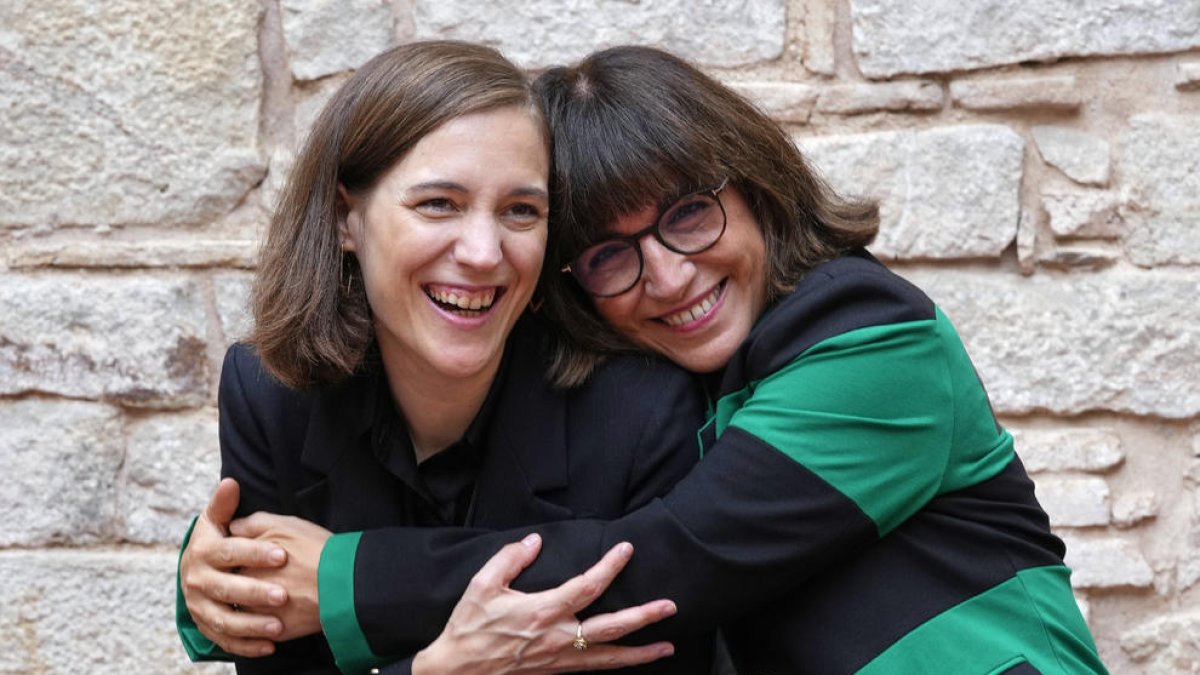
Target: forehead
[[492, 145]]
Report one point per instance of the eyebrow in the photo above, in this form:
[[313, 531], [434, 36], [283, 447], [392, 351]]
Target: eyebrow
[[536, 192]]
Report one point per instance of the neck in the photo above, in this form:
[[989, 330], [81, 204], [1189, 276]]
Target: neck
[[436, 408]]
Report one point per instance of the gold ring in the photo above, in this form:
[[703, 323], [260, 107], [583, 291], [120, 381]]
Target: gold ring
[[580, 642]]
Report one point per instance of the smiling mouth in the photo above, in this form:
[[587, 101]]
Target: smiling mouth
[[696, 311], [464, 302]]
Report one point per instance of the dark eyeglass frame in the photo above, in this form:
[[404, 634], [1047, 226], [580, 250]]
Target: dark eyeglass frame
[[634, 239]]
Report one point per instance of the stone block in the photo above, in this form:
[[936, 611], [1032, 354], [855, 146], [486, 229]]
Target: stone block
[[1090, 450], [127, 112], [783, 101], [1188, 76], [173, 464], [856, 99], [1092, 214], [1027, 241], [893, 37], [134, 254], [1082, 156], [103, 612], [328, 36], [60, 461], [1132, 508], [1079, 257], [542, 33], [1160, 164], [820, 24], [1123, 341], [135, 340], [950, 192], [1106, 563], [1074, 501], [233, 305], [1165, 645], [1049, 93]]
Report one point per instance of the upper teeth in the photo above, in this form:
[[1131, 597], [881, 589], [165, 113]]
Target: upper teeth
[[464, 299], [695, 311]]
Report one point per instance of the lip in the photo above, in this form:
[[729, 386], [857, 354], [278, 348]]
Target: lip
[[720, 288], [473, 319]]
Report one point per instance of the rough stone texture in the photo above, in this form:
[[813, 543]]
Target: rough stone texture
[[1076, 257], [1053, 93], [1134, 507], [1027, 239], [136, 340], [1082, 156], [104, 612], [1074, 501], [127, 112], [783, 101], [820, 22], [170, 469], [60, 462], [855, 99], [895, 36], [134, 254], [329, 36], [1106, 563], [233, 309], [1072, 343], [1188, 77], [1165, 645], [1084, 213], [1161, 165], [541, 33], [950, 192]]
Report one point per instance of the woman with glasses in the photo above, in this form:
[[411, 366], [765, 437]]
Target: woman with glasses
[[858, 507]]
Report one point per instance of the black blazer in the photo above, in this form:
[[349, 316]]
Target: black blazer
[[597, 451]]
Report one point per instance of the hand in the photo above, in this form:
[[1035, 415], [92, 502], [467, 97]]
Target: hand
[[304, 542], [495, 629], [211, 585]]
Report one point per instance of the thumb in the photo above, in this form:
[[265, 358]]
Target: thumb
[[223, 504]]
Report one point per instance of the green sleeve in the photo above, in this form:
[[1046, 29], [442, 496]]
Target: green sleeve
[[198, 647], [339, 620]]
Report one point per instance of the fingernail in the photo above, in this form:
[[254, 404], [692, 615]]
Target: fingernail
[[669, 609], [531, 540], [667, 650], [273, 628], [266, 650], [625, 548], [276, 596], [276, 555]]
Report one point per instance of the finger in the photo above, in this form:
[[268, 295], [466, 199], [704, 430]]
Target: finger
[[223, 504], [237, 589], [232, 552], [226, 623], [502, 568], [616, 625], [238, 646], [609, 657], [580, 591], [262, 523]]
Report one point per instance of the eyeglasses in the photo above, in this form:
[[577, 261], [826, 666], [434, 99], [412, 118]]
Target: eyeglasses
[[693, 224]]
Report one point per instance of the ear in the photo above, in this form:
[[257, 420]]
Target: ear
[[347, 217]]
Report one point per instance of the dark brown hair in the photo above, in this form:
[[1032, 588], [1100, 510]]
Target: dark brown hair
[[632, 126], [312, 324]]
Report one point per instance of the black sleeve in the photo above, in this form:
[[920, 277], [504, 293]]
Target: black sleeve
[[249, 403]]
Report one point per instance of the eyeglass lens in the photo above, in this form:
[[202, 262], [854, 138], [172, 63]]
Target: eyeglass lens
[[690, 225]]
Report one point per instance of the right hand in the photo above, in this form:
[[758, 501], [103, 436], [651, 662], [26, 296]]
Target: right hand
[[214, 591], [495, 629]]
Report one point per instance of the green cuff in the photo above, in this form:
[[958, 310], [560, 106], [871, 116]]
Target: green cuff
[[335, 593], [198, 647]]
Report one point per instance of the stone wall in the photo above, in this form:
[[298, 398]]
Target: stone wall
[[1037, 162]]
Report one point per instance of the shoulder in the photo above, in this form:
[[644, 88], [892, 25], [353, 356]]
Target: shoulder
[[846, 294]]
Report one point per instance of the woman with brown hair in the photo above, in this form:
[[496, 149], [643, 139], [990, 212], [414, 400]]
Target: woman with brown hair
[[394, 376], [858, 507]]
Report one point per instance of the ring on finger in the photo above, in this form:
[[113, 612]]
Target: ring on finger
[[580, 642]]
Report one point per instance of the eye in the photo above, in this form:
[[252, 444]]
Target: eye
[[687, 215], [523, 215], [605, 257], [436, 206]]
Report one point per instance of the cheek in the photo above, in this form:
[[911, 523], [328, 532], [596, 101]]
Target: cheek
[[617, 312]]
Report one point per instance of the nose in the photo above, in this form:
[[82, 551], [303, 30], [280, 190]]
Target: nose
[[478, 243], [665, 273]]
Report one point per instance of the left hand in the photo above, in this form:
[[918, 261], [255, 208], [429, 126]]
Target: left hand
[[303, 542]]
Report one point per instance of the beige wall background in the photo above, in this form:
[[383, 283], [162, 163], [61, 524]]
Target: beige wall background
[[1037, 161]]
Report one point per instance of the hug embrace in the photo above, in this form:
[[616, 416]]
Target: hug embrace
[[595, 372]]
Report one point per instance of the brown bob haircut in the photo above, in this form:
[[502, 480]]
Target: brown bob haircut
[[312, 324], [634, 126]]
